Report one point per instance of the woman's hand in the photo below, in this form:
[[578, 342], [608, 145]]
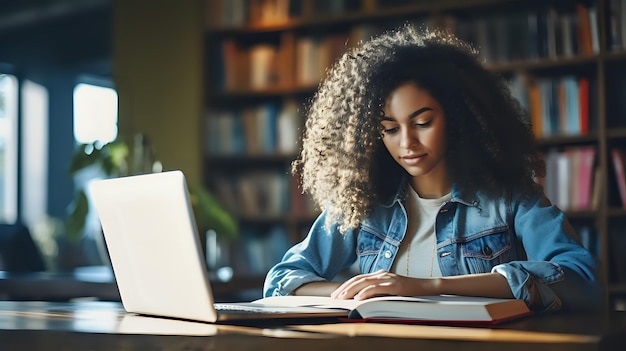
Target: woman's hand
[[365, 286]]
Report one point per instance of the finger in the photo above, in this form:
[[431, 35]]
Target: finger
[[354, 286], [374, 290], [342, 290]]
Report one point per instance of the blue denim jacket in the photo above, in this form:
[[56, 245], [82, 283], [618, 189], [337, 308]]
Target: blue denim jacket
[[525, 238]]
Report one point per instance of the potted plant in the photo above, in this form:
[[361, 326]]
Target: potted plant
[[111, 160]]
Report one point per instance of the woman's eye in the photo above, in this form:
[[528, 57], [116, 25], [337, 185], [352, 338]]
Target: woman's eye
[[390, 130], [423, 124]]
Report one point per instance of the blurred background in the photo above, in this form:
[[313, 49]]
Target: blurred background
[[104, 88]]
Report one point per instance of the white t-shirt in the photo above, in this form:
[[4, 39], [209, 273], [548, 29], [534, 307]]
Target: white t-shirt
[[417, 253]]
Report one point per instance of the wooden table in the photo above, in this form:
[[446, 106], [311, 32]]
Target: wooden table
[[100, 325], [98, 283]]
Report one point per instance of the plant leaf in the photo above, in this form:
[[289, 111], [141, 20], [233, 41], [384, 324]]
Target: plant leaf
[[210, 214], [81, 160], [78, 216]]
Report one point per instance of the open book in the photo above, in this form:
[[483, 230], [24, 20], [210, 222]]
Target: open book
[[442, 309]]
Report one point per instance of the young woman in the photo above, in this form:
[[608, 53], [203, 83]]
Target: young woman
[[424, 166]]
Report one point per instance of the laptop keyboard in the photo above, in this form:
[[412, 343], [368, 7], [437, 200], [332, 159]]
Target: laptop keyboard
[[219, 307]]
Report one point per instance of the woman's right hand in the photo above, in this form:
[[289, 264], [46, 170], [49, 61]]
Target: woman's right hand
[[365, 286]]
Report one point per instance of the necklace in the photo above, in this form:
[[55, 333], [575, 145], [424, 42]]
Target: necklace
[[432, 259]]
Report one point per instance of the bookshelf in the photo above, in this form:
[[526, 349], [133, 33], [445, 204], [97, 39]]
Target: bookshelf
[[269, 55]]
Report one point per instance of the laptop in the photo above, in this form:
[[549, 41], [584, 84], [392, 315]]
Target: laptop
[[155, 251]]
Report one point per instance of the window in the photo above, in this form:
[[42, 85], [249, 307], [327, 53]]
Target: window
[[8, 148], [95, 114], [34, 155], [95, 122]]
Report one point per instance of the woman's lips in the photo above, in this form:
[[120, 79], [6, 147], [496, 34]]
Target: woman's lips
[[412, 160]]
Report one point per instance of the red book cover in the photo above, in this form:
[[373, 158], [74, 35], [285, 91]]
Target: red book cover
[[585, 177], [449, 323]]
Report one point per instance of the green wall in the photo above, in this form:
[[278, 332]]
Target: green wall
[[158, 72]]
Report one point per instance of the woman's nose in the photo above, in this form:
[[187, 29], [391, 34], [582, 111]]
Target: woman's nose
[[408, 138]]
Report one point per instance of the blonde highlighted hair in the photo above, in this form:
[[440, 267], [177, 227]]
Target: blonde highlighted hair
[[343, 163]]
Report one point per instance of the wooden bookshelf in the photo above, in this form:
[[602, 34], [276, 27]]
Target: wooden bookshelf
[[596, 51]]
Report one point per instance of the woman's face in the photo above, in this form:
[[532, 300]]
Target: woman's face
[[414, 134]]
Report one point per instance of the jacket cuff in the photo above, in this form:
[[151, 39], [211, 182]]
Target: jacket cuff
[[529, 281]]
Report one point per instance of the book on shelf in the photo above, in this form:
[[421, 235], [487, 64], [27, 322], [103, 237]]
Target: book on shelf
[[534, 106], [440, 309], [254, 194], [268, 12], [584, 37], [263, 71], [558, 106], [550, 32], [285, 65], [617, 24], [567, 23], [570, 181], [563, 180], [289, 122], [235, 62], [586, 178], [593, 25], [265, 129]]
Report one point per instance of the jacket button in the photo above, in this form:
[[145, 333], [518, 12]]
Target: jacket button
[[487, 250], [387, 254]]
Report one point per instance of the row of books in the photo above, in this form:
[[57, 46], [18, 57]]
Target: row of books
[[263, 247], [257, 193], [265, 129], [556, 105], [550, 33], [571, 180], [263, 194], [239, 13], [617, 24], [294, 61]]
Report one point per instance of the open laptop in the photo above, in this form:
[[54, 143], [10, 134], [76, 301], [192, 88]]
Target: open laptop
[[155, 251]]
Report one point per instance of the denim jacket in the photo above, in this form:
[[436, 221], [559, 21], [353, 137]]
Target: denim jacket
[[525, 238]]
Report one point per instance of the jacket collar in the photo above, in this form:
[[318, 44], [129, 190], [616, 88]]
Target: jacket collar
[[456, 195]]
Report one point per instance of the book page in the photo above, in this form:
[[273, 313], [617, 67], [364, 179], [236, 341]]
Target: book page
[[328, 302]]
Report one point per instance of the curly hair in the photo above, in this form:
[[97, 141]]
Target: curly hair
[[343, 163]]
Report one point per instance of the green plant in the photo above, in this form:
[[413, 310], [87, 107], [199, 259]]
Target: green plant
[[111, 159], [210, 214]]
